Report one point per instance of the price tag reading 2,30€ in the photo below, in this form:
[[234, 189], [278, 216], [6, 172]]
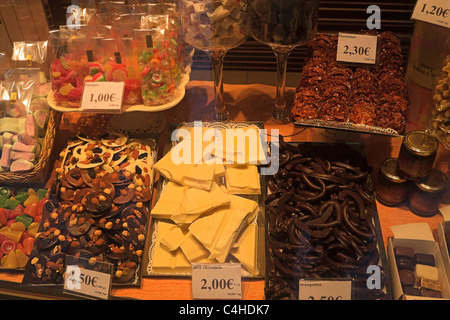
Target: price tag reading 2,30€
[[216, 281], [433, 11], [357, 48], [86, 282], [104, 97], [325, 289]]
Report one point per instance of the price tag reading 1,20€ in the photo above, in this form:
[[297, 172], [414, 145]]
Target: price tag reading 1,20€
[[104, 97], [86, 282], [433, 11], [357, 48], [216, 281], [325, 289]]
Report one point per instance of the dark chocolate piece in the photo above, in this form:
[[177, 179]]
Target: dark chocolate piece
[[424, 258], [411, 291], [407, 277], [404, 263], [401, 251]]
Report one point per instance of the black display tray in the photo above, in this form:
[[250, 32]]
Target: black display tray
[[353, 154]]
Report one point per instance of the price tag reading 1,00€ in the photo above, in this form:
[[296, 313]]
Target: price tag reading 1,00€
[[325, 289], [105, 97], [87, 282], [357, 48], [216, 281], [433, 11]]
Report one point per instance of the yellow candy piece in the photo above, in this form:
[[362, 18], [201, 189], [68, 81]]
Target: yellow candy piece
[[65, 90], [30, 200], [88, 78], [56, 74], [13, 235], [32, 231], [3, 229], [33, 225], [21, 258], [17, 226], [10, 261], [31, 191]]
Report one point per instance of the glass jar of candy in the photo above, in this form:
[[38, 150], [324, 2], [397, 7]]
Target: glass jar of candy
[[391, 187], [417, 155], [425, 195]]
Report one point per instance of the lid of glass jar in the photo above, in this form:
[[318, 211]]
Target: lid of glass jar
[[421, 143], [435, 182], [389, 171]]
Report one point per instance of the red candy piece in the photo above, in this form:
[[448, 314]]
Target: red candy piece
[[28, 244], [31, 210], [3, 217], [18, 211], [7, 246]]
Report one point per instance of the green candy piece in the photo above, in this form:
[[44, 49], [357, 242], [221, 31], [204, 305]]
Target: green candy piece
[[2, 202], [11, 204], [21, 197], [25, 219], [41, 193], [5, 192]]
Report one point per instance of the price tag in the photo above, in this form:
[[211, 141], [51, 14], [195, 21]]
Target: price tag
[[433, 11], [216, 281], [87, 282], [325, 290], [104, 97], [357, 48]]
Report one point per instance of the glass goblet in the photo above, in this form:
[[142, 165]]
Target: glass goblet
[[215, 26], [283, 25]]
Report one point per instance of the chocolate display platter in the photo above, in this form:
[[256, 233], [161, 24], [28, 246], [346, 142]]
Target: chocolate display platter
[[110, 229], [258, 220], [307, 246]]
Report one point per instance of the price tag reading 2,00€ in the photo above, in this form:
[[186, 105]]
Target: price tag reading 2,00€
[[104, 97], [216, 281], [357, 48], [325, 289]]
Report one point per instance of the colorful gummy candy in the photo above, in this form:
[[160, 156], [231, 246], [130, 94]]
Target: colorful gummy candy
[[157, 82], [20, 216]]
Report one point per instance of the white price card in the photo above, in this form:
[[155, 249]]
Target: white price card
[[433, 11], [86, 282], [103, 97], [324, 289], [216, 281], [357, 48]]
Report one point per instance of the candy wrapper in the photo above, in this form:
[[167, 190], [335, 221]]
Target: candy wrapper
[[77, 63], [23, 119], [121, 65], [171, 41], [155, 66]]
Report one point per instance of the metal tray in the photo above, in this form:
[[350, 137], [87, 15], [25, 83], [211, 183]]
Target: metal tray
[[353, 152], [259, 220]]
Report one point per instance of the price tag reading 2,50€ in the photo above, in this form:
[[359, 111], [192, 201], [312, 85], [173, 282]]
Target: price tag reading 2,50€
[[87, 282], [105, 97], [325, 289], [357, 48], [216, 281], [433, 11]]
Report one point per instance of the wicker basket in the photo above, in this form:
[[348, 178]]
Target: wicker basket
[[37, 175]]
